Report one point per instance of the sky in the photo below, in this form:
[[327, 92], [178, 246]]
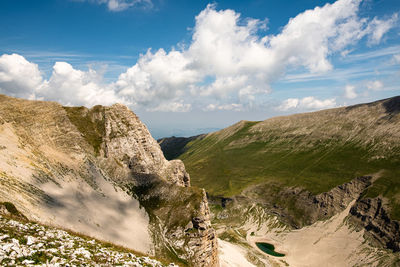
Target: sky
[[190, 67]]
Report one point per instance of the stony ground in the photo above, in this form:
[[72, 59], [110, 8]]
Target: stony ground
[[27, 244]]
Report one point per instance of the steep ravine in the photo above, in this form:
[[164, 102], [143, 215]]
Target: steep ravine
[[366, 213]]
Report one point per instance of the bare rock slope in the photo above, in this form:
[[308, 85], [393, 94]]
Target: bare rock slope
[[372, 214], [85, 169], [26, 243]]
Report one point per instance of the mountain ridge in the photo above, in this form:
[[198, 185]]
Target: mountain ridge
[[290, 164], [79, 167]]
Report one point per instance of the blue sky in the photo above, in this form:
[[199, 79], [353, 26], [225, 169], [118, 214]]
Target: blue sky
[[187, 67]]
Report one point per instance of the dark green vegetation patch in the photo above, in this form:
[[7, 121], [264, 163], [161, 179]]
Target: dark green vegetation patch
[[90, 122], [173, 146]]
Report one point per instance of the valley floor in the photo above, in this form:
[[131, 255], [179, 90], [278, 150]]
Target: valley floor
[[325, 243]]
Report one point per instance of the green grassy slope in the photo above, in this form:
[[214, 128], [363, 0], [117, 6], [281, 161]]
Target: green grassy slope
[[315, 151], [173, 146], [91, 129]]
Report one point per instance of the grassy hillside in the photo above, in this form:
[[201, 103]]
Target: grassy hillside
[[314, 151], [173, 146]]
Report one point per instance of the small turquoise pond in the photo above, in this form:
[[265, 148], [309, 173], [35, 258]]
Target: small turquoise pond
[[269, 249]]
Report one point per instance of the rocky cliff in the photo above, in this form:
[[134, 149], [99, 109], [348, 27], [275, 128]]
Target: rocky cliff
[[116, 132], [373, 216], [311, 208], [85, 169], [202, 236]]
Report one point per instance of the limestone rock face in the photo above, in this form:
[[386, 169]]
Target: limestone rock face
[[372, 215], [128, 141], [203, 242], [308, 207], [327, 204]]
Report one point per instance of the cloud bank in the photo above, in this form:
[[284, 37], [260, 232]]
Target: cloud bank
[[307, 103], [230, 62]]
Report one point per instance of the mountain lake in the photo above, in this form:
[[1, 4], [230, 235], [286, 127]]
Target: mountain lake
[[269, 249]]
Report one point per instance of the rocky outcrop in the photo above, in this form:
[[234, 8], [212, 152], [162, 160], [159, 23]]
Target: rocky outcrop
[[323, 206], [298, 207], [118, 134], [327, 204], [128, 140], [9, 210], [203, 239], [373, 217], [180, 221]]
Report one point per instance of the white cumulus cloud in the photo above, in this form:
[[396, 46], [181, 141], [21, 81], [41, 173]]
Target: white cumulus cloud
[[172, 107], [230, 60], [75, 87], [157, 77], [306, 103], [19, 77], [238, 62], [374, 85], [349, 92], [233, 106]]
